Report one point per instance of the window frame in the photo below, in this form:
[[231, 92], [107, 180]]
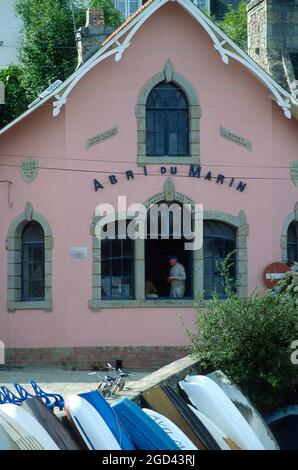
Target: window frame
[[166, 113], [120, 258], [127, 9], [219, 8], [14, 251], [225, 240], [291, 217], [25, 245], [188, 262], [96, 303], [169, 75], [292, 244]]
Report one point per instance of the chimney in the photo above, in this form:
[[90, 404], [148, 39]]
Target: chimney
[[94, 17], [273, 39], [91, 36]]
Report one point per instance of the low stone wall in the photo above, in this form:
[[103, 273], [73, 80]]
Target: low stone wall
[[94, 358], [169, 375]]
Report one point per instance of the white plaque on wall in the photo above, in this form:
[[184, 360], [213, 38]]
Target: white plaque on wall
[[78, 252]]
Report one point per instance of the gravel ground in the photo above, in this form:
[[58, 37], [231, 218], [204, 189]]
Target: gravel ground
[[65, 382]]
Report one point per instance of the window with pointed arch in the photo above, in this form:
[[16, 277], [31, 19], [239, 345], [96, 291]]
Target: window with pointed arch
[[33, 262], [167, 121]]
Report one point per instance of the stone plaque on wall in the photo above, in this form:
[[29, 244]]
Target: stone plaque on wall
[[29, 170], [97, 139], [294, 171], [236, 139]]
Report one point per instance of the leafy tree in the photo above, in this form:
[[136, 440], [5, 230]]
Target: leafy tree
[[48, 47], [234, 24], [16, 102], [112, 16]]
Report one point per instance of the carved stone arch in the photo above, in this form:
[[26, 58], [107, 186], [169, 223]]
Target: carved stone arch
[[169, 75], [13, 244], [96, 303], [169, 194], [291, 217]]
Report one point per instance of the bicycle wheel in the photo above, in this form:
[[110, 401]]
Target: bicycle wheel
[[114, 388], [121, 385], [101, 387]]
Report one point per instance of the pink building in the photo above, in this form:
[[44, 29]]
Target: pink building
[[170, 110]]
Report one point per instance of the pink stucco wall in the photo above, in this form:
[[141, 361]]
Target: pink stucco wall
[[63, 192]]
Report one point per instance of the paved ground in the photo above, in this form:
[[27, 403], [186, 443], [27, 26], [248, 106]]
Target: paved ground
[[57, 380]]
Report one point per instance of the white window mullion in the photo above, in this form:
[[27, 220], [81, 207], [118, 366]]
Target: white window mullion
[[127, 7]]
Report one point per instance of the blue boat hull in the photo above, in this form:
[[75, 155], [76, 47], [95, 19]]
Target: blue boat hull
[[110, 417], [143, 431]]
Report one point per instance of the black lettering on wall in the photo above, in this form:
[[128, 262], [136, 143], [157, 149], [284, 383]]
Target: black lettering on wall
[[113, 179], [129, 174], [195, 171], [241, 186], [97, 185], [220, 179]]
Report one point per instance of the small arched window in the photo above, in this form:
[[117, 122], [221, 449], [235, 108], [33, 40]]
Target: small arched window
[[33, 262], [167, 121], [292, 242], [219, 241]]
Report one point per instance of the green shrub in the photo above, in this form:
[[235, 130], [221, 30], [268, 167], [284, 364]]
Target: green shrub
[[288, 287], [250, 340]]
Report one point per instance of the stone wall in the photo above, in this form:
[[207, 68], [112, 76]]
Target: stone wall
[[94, 358], [256, 32], [272, 35], [170, 375]]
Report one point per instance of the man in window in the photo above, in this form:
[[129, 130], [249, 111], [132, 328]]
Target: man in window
[[177, 278]]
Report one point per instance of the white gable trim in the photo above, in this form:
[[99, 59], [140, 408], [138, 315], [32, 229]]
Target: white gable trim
[[222, 43], [118, 51]]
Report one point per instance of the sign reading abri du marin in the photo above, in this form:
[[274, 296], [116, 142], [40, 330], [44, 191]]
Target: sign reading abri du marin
[[195, 171]]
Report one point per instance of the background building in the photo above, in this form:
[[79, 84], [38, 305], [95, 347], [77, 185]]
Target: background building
[[10, 33], [273, 39]]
